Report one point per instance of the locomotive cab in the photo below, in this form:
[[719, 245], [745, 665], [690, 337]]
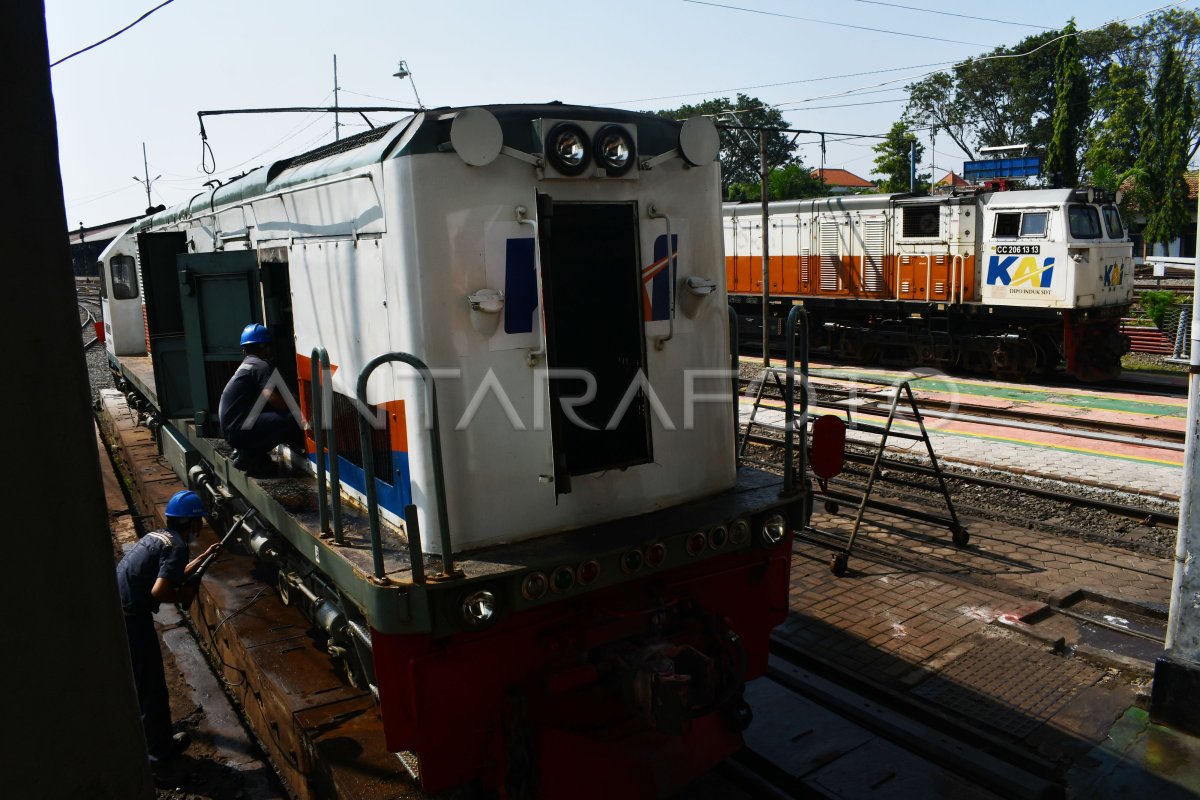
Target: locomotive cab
[[121, 300], [1055, 248]]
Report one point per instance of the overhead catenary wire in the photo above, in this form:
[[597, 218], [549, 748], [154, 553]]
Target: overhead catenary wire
[[112, 36], [953, 14], [978, 59], [835, 24]]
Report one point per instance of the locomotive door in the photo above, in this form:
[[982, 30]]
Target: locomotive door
[[592, 288], [220, 295], [164, 320]]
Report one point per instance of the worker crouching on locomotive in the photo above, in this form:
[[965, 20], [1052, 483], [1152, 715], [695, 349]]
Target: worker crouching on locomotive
[[254, 416], [156, 570]]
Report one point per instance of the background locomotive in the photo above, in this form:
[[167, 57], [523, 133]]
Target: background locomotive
[[597, 579], [1007, 283]]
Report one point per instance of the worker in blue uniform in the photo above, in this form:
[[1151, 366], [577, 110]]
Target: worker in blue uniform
[[253, 414], [156, 570]]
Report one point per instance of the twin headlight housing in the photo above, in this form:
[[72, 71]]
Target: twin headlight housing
[[572, 148]]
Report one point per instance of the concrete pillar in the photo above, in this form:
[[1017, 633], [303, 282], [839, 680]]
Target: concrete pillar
[[1176, 694], [70, 711]]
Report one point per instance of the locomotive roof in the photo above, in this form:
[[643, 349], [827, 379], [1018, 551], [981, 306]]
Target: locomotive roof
[[655, 135], [874, 202]]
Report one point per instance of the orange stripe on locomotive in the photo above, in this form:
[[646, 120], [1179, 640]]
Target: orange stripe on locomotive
[[906, 277]]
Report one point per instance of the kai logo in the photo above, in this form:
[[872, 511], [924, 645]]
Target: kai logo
[[1113, 273], [1018, 271]]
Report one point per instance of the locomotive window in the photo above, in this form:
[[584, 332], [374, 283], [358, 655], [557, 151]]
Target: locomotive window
[[103, 280], [124, 278], [1008, 225], [1112, 221], [1033, 223], [1085, 222], [922, 222]]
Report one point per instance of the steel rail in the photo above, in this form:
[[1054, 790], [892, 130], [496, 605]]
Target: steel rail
[[1160, 518]]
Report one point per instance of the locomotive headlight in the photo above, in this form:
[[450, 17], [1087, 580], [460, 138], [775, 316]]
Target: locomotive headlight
[[614, 150], [773, 530], [479, 608], [568, 148]]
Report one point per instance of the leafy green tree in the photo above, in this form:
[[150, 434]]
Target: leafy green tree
[[893, 159], [1115, 140], [793, 182], [1166, 147], [1005, 97], [737, 123], [1070, 110]]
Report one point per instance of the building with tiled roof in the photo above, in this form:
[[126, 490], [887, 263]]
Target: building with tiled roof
[[953, 179], [841, 181], [1182, 247]]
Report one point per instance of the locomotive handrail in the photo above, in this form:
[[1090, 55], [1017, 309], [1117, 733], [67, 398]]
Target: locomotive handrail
[[368, 457], [958, 260], [540, 353], [789, 410], [734, 351], [661, 342], [321, 375]]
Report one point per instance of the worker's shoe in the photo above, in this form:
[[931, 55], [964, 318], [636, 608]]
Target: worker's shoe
[[169, 749], [253, 464]]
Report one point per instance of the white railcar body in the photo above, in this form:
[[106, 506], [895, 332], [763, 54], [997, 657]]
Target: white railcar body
[[384, 247]]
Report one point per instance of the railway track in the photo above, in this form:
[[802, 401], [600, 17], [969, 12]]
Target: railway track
[[873, 403], [822, 731], [1139, 513]]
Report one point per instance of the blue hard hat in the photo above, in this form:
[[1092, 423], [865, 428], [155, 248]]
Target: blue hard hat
[[255, 334], [186, 504]]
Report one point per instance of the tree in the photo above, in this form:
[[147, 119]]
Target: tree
[[893, 159], [1006, 97], [1115, 140], [1070, 110], [739, 136], [1166, 147], [793, 182]]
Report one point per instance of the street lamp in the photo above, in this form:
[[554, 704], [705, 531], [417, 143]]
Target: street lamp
[[402, 72]]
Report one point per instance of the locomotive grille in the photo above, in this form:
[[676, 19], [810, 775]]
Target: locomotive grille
[[874, 234], [829, 256], [345, 428], [922, 222]]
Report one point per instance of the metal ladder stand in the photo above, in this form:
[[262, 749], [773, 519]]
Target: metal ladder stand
[[795, 427], [959, 534]]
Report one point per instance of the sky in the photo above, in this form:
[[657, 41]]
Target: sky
[[146, 85]]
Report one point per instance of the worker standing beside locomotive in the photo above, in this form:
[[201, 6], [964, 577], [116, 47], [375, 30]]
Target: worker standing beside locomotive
[[156, 571]]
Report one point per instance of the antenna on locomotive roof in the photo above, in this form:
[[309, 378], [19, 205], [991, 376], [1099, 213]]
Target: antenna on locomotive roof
[[402, 72], [148, 181]]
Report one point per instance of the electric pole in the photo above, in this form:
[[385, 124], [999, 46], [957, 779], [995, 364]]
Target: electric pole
[[764, 177], [148, 181], [337, 123]]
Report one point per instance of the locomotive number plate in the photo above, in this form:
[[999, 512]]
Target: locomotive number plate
[[1018, 249]]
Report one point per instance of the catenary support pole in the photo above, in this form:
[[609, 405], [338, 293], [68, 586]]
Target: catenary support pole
[[69, 706], [1176, 696], [912, 164], [766, 248]]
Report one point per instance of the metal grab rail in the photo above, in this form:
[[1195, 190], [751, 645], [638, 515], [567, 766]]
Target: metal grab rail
[[734, 362], [789, 469], [368, 457], [321, 376]]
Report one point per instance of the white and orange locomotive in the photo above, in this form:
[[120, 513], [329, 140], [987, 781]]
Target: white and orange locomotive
[[540, 552]]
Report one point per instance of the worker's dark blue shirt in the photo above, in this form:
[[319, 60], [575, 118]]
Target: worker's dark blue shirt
[[241, 393], [158, 554]]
